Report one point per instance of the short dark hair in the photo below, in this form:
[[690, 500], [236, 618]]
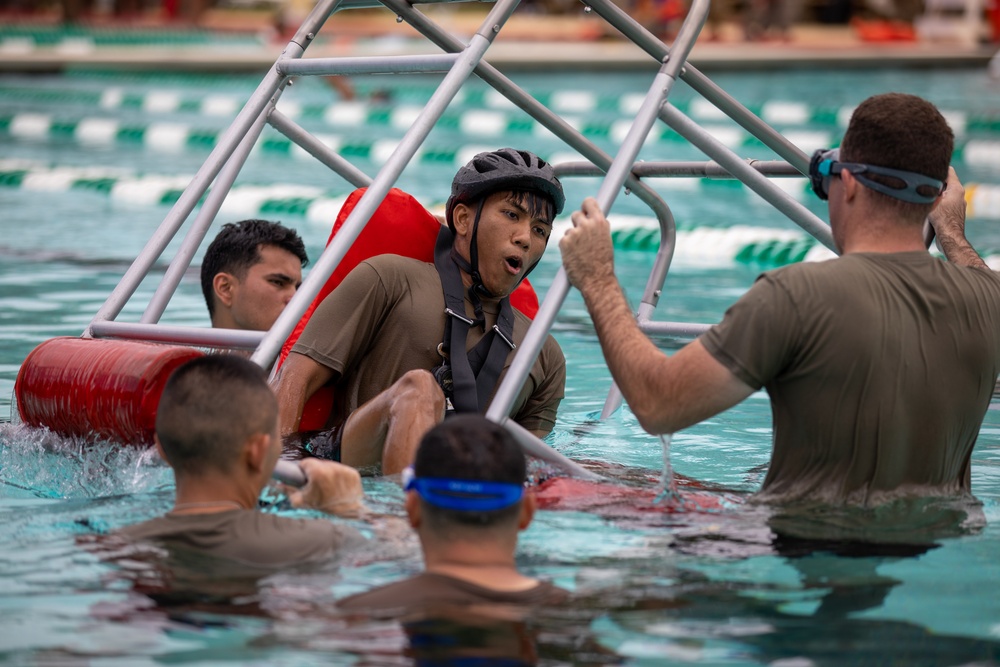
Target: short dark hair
[[470, 447], [237, 248], [904, 132], [209, 407]]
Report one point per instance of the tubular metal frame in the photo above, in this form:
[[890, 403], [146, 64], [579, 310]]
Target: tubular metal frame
[[459, 61]]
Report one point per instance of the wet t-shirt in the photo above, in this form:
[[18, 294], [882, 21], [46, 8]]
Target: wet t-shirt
[[387, 318], [248, 536], [431, 591], [879, 367]]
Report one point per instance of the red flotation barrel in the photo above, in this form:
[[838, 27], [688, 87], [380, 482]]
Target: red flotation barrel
[[95, 387]]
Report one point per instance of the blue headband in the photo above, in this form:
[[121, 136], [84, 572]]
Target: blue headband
[[825, 164], [463, 495]]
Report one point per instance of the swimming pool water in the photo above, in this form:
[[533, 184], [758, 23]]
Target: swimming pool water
[[653, 587]]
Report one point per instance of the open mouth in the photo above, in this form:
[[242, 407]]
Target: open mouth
[[514, 264]]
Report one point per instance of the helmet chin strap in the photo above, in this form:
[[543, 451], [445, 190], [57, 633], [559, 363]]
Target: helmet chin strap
[[477, 289]]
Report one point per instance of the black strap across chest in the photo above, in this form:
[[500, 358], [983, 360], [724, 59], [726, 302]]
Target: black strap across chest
[[474, 375]]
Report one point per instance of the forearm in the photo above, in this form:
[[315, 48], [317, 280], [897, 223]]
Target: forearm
[[948, 219], [631, 357], [297, 380], [959, 251]]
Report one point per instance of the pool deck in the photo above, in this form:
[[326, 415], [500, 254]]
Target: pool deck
[[528, 41]]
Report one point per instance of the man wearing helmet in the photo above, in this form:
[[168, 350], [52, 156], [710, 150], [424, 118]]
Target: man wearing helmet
[[384, 337]]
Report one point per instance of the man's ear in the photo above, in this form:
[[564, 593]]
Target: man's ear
[[255, 451], [224, 284], [159, 449], [850, 185], [528, 506], [461, 218], [413, 509]]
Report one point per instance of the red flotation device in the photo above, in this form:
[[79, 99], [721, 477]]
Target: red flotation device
[[93, 387], [399, 226]]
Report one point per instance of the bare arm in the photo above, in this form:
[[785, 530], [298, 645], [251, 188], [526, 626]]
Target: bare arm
[[665, 393], [948, 219], [298, 379]]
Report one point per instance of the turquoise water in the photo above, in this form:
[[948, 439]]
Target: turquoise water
[[653, 587]]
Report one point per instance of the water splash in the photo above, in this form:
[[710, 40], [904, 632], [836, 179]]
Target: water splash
[[43, 464], [669, 496]]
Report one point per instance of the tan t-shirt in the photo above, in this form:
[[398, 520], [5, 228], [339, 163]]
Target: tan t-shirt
[[879, 367], [248, 536], [387, 318]]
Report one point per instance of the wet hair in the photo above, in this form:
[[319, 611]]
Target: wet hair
[[210, 406], [537, 204], [904, 132], [469, 447], [237, 248]]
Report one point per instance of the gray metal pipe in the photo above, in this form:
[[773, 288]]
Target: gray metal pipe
[[318, 149], [367, 65], [753, 179], [376, 192]]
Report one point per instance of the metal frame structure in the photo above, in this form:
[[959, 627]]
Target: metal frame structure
[[458, 62]]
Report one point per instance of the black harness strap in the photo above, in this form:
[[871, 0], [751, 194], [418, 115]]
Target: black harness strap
[[474, 375]]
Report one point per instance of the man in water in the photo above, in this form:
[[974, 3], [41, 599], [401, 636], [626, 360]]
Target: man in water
[[466, 500], [403, 341], [217, 428], [879, 364], [250, 272]]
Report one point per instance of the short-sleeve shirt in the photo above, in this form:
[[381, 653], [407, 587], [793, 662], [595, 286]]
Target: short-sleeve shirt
[[387, 318], [248, 536], [879, 367], [429, 591]]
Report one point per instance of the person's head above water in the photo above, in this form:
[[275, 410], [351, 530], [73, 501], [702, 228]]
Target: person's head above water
[[468, 479], [508, 186], [250, 272], [899, 147], [215, 411]]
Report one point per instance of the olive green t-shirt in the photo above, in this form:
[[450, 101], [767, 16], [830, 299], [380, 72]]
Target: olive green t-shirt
[[428, 591], [248, 536], [879, 367], [387, 318]]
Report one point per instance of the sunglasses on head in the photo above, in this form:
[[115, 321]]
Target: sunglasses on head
[[916, 188]]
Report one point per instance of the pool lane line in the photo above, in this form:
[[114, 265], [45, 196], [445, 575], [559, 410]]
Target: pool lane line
[[698, 245], [313, 202], [493, 113], [174, 137]]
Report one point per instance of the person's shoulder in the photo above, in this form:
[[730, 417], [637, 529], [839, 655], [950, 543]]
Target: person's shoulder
[[389, 263], [521, 325], [428, 589]]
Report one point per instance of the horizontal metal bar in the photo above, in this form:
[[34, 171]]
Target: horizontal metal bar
[[685, 329], [163, 333], [707, 169], [440, 62]]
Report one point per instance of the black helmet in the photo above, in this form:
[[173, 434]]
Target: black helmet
[[504, 169]]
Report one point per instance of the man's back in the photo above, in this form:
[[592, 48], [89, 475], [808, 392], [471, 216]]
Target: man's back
[[879, 368]]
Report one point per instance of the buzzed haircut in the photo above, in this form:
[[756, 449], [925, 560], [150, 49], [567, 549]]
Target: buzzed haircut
[[904, 132], [237, 248], [210, 406], [470, 447]]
